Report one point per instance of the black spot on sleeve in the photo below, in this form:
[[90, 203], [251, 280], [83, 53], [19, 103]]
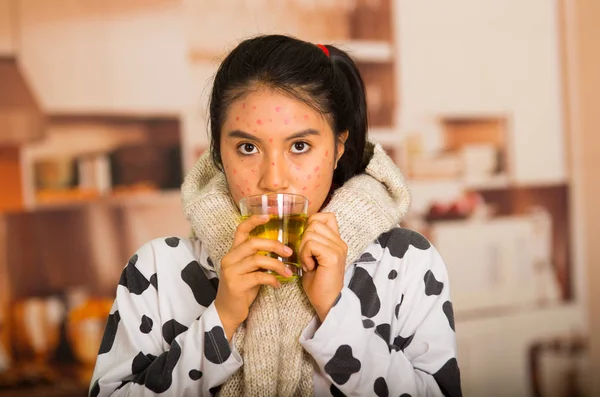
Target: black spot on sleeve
[[397, 241], [110, 332], [342, 365], [368, 323], [95, 391], [380, 387], [363, 286], [216, 346], [448, 379], [401, 343], [172, 241], [171, 329], [146, 324], [432, 286], [194, 374], [449, 312], [367, 257], [335, 392], [157, 372], [133, 279], [204, 291]]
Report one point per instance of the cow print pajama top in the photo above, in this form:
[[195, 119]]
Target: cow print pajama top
[[389, 333]]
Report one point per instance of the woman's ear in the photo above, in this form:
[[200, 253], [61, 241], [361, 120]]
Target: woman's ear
[[341, 141]]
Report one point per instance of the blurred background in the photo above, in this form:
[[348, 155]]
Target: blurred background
[[489, 107]]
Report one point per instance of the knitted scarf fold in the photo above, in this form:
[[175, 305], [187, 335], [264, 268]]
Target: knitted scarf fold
[[275, 364]]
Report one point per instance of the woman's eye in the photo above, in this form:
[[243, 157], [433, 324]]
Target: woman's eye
[[300, 147], [247, 148]]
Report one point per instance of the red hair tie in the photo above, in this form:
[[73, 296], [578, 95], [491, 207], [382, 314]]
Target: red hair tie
[[325, 50]]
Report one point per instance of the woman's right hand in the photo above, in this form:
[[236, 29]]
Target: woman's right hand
[[242, 273]]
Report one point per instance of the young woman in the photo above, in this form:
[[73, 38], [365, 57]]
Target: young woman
[[372, 313]]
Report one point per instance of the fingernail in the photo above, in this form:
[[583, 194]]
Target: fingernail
[[264, 217], [304, 268], [288, 271], [287, 250]]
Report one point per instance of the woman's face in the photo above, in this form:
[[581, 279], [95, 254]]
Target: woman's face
[[273, 143]]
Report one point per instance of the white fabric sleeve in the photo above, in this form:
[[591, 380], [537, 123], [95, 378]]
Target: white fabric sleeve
[[414, 355], [143, 354]]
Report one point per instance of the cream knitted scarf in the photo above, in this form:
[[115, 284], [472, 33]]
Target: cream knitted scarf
[[275, 364]]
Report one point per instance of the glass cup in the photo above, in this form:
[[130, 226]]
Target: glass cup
[[288, 214]]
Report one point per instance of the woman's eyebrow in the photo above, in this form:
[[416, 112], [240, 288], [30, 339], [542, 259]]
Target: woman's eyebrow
[[243, 135], [303, 134]]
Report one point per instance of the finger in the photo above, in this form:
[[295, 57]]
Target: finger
[[315, 252], [312, 235], [319, 227], [261, 278], [245, 227], [254, 245], [261, 262], [328, 218]]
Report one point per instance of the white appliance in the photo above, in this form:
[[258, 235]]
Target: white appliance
[[498, 263]]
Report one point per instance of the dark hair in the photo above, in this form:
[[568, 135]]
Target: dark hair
[[331, 85]]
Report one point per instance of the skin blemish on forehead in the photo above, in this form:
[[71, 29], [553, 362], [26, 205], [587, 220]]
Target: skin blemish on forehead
[[253, 107], [234, 171], [306, 117], [297, 168], [259, 121], [244, 105], [310, 176], [237, 118], [273, 163], [270, 140]]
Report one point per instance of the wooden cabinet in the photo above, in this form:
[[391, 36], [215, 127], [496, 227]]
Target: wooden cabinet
[[472, 57], [7, 28], [106, 57]]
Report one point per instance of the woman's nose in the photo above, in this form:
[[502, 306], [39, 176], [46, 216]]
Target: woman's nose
[[274, 175]]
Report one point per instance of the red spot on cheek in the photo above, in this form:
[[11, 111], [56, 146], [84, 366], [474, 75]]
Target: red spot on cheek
[[304, 188], [286, 121], [234, 171], [306, 117], [270, 140], [244, 105], [277, 108], [248, 189], [318, 175], [259, 121], [310, 176], [237, 118], [273, 164], [253, 107], [327, 153], [297, 168], [318, 186], [252, 170], [317, 169], [275, 184]]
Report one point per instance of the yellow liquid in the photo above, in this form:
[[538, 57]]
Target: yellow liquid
[[287, 229]]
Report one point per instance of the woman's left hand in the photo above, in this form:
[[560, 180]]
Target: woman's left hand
[[323, 258]]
